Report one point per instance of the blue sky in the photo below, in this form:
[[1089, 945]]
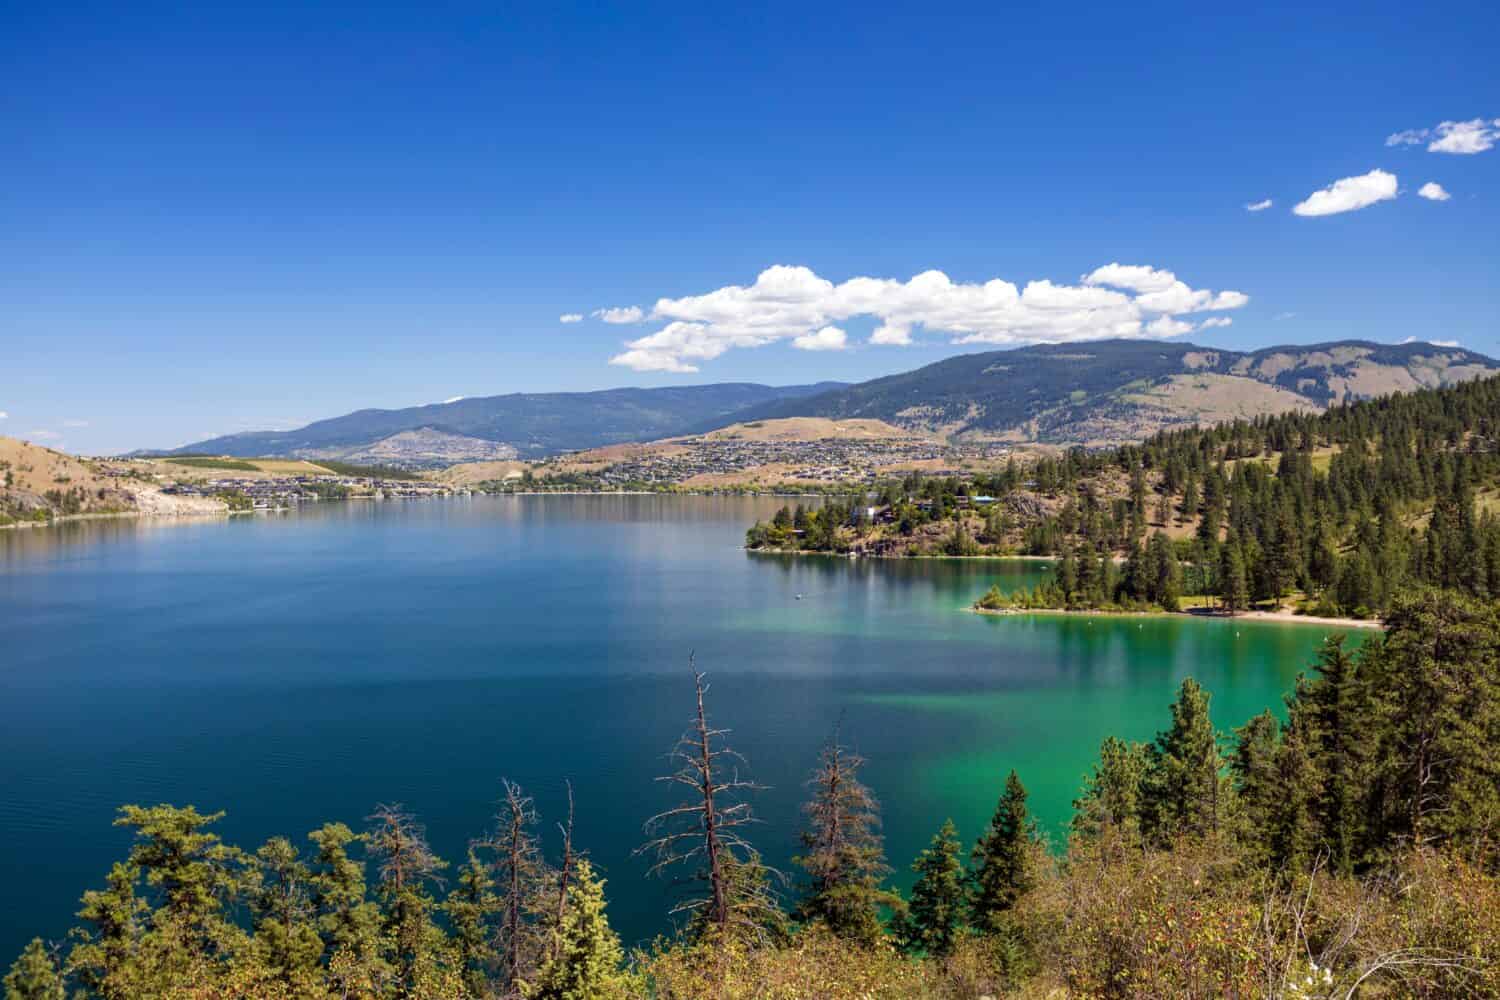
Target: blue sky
[[216, 220]]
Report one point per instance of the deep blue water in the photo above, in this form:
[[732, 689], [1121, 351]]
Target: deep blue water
[[303, 668]]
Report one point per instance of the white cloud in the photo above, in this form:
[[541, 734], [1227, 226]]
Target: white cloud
[[1258, 206], [1215, 321], [453, 399], [4, 415], [1433, 191], [622, 314], [1434, 343], [570, 318], [44, 435], [1282, 317], [794, 303], [1349, 194], [830, 338], [1473, 136]]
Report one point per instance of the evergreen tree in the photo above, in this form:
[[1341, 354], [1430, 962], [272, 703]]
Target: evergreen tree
[[585, 964], [35, 975], [112, 920], [1234, 588], [1182, 791], [280, 907], [1330, 711], [1110, 803], [471, 909], [936, 912], [1437, 679], [347, 921], [1002, 859]]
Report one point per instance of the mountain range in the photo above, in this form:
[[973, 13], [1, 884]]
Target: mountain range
[[517, 425], [1094, 393]]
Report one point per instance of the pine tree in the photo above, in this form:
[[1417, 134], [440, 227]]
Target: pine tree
[[281, 909], [471, 909], [1331, 713], [936, 912], [113, 919], [1109, 806], [347, 921], [585, 964], [844, 856], [1002, 859], [35, 975], [1182, 791], [1234, 589], [1437, 675]]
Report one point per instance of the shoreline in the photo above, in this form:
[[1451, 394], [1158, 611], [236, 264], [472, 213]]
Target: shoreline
[[871, 555], [1282, 617], [53, 522]]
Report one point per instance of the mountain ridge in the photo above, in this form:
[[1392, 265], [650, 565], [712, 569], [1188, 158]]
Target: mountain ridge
[[526, 425], [1112, 391], [1091, 393]]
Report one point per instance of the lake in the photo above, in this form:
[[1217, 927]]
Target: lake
[[294, 669]]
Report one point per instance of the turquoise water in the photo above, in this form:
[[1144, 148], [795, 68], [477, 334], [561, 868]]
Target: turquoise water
[[303, 668]]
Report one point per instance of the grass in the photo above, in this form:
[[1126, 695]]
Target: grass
[[231, 464], [367, 471]]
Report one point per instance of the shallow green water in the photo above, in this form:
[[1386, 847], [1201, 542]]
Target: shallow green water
[[302, 668]]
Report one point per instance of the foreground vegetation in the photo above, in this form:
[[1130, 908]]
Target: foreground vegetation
[[1347, 507], [1348, 850]]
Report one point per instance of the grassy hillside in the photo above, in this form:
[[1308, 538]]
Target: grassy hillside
[[1118, 391]]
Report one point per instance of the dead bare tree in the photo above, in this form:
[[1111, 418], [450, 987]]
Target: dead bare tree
[[521, 875], [406, 865], [703, 833], [566, 872], [845, 854]]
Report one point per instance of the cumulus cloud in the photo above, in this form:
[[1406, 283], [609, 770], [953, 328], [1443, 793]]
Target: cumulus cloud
[[788, 303], [1349, 194], [1258, 206], [1466, 138], [621, 315], [570, 318], [4, 415], [830, 338], [1215, 321], [453, 399], [1434, 343], [1433, 191]]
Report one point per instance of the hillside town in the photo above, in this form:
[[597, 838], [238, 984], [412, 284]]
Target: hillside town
[[708, 462]]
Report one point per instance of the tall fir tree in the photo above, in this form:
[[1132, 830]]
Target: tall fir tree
[[1183, 793], [1002, 861], [939, 898]]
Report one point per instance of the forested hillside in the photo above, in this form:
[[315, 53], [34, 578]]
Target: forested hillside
[[1341, 509], [1347, 850]]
